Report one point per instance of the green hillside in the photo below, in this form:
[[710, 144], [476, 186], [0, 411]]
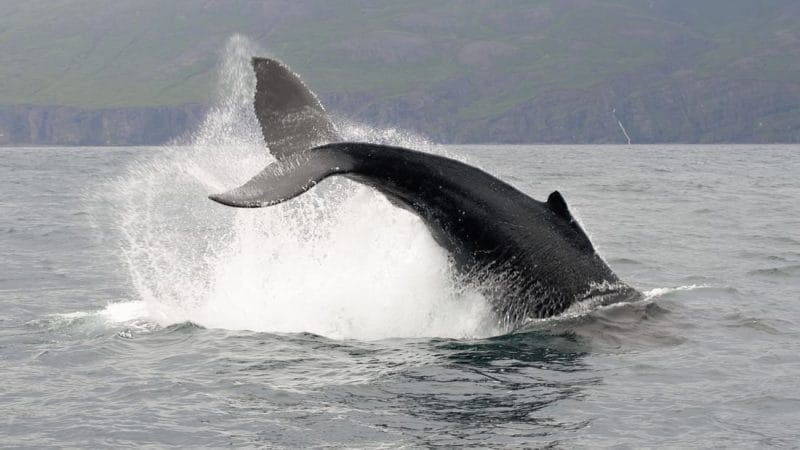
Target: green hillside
[[415, 61]]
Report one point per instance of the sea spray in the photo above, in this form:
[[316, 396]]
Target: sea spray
[[339, 261]]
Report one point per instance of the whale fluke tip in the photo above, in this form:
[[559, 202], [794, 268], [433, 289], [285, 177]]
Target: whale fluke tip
[[291, 117], [231, 199]]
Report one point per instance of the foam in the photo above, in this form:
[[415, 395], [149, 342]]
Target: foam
[[339, 261]]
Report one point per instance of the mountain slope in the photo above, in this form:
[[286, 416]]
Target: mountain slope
[[463, 71]]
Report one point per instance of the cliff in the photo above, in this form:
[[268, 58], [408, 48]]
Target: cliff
[[557, 71], [70, 126]]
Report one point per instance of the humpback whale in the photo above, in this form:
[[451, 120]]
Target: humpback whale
[[532, 259]]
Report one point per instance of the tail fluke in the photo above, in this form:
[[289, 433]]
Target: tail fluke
[[292, 118], [285, 179]]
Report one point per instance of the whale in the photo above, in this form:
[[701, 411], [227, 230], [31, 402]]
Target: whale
[[530, 259], [533, 258]]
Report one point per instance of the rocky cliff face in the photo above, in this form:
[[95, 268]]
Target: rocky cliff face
[[679, 109], [42, 125]]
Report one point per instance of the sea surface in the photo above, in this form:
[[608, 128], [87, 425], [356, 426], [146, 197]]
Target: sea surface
[[134, 312]]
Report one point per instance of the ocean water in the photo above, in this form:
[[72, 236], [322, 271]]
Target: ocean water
[[135, 312]]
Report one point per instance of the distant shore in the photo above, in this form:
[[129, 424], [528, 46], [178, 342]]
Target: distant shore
[[27, 125]]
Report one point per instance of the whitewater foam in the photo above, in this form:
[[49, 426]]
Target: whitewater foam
[[660, 292], [340, 261]]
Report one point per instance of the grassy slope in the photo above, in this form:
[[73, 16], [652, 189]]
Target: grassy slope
[[94, 53]]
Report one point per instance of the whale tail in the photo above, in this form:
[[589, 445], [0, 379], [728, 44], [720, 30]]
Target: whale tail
[[292, 119], [373, 165], [285, 179]]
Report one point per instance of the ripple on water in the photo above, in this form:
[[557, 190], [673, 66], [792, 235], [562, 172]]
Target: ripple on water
[[782, 272], [773, 326]]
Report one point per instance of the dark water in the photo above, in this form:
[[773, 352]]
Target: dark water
[[125, 300]]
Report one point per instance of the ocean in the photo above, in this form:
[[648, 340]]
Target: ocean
[[134, 312]]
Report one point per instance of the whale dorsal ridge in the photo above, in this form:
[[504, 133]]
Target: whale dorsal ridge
[[557, 204]]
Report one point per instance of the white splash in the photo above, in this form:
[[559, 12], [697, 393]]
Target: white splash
[[660, 292], [339, 261]]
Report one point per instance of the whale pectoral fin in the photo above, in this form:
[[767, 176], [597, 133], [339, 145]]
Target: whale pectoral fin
[[282, 181], [557, 204]]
